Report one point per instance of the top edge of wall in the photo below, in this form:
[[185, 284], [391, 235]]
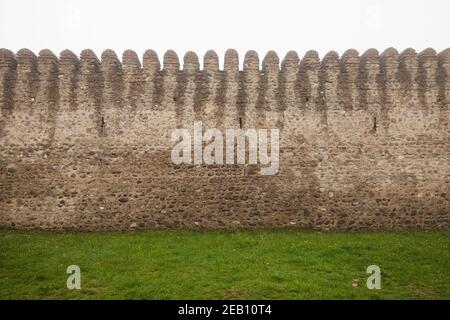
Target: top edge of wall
[[170, 60]]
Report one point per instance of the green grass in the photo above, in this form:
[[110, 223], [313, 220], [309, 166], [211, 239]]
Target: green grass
[[246, 264]]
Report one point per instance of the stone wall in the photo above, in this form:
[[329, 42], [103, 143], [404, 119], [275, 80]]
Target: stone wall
[[85, 142]]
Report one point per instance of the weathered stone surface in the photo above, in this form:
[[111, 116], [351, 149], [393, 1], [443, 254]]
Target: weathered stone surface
[[85, 143]]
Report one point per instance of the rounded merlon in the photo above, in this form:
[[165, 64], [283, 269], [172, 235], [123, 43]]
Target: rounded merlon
[[332, 57], [291, 60], [211, 61], [251, 60], [87, 55], [231, 61], [310, 61], [190, 62], [130, 60], [25, 56], [46, 53], [7, 58], [67, 55], [171, 61], [151, 61], [271, 61]]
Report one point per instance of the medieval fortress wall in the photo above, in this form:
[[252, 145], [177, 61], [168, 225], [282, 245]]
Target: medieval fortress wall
[[364, 140]]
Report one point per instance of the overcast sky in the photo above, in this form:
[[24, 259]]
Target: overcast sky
[[199, 25]]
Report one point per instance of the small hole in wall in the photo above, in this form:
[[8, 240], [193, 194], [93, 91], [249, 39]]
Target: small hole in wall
[[240, 123], [375, 123], [102, 125]]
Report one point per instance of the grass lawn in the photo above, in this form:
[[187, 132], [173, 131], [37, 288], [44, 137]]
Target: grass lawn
[[245, 264]]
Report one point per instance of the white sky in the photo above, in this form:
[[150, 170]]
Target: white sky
[[199, 25]]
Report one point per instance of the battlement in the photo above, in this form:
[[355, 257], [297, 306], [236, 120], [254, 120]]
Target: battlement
[[273, 86]]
